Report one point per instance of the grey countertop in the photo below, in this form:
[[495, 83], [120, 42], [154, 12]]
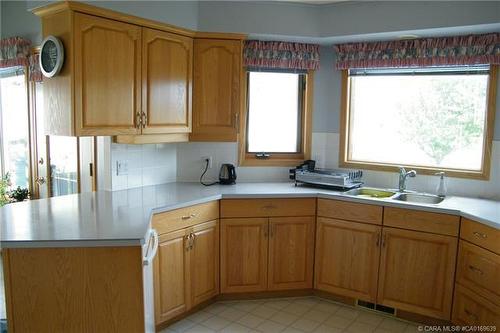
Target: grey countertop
[[121, 218]]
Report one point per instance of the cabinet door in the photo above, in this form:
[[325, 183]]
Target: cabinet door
[[347, 258], [291, 253], [171, 276], [244, 254], [166, 82], [216, 89], [107, 76], [470, 309], [417, 272], [204, 258]]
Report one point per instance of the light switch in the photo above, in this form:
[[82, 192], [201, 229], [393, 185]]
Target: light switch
[[121, 168]]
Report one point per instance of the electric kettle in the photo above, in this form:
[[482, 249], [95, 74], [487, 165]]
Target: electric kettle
[[227, 174]]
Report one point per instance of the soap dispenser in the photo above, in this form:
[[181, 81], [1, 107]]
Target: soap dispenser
[[441, 188]]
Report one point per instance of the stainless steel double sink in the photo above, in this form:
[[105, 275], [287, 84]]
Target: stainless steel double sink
[[413, 197]]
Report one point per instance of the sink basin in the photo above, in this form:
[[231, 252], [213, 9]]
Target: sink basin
[[419, 198], [367, 192]]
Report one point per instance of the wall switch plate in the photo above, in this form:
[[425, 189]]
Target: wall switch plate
[[121, 168], [210, 161]]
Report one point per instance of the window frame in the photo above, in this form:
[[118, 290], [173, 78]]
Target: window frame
[[279, 159], [483, 174]]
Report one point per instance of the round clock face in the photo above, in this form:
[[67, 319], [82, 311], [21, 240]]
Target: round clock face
[[51, 56]]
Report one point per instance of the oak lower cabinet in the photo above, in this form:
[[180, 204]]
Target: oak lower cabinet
[[347, 258], [417, 272], [259, 254], [186, 269], [473, 310]]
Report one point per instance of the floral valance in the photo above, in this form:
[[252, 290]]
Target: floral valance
[[35, 73], [282, 55], [14, 51], [459, 50]]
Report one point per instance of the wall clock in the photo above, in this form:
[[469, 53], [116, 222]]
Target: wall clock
[[51, 56]]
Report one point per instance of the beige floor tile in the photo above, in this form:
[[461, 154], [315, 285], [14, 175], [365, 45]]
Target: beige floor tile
[[358, 327], [199, 329], [327, 329], [370, 318], [263, 311], [215, 308], [381, 330], [235, 328], [269, 326], [250, 320], [182, 325], [393, 325], [305, 325], [246, 306], [338, 322], [309, 301], [316, 315], [200, 316], [278, 304], [412, 328], [347, 312], [216, 323], [296, 309], [284, 318], [167, 330], [327, 307], [231, 314], [292, 330]]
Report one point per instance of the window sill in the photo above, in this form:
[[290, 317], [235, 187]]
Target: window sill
[[251, 160]]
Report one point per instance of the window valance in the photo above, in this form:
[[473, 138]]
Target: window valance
[[282, 55], [35, 73], [14, 51], [459, 50]]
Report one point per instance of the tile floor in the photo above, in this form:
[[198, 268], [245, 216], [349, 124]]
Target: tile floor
[[290, 315]]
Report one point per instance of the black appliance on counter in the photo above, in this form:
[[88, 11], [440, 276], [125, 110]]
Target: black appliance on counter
[[227, 174]]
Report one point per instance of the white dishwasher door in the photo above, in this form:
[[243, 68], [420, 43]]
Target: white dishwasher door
[[148, 253]]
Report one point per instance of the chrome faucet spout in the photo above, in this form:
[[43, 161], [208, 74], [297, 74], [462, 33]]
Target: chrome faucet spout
[[403, 175]]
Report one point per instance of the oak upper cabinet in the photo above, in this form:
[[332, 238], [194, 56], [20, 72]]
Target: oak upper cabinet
[[291, 253], [166, 79], [204, 259], [217, 89], [243, 262], [417, 272], [107, 76], [347, 258], [171, 275]]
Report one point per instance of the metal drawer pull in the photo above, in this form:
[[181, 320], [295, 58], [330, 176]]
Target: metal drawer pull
[[187, 217], [187, 241], [269, 207], [471, 315], [479, 234], [475, 269]]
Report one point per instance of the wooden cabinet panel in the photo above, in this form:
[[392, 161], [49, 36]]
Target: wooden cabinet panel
[[418, 220], [470, 309], [107, 76], [479, 270], [413, 264], [216, 89], [481, 235], [291, 253], [350, 211], [267, 207], [166, 79], [244, 245], [204, 259], [185, 217], [347, 258], [171, 276]]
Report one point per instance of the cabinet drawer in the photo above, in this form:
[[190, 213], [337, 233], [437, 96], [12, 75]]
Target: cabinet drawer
[[470, 309], [185, 217], [267, 207], [443, 224], [479, 270], [350, 211], [481, 235]]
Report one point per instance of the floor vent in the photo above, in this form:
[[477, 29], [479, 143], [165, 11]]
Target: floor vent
[[376, 307]]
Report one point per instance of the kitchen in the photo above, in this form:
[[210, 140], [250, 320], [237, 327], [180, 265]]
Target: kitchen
[[157, 97]]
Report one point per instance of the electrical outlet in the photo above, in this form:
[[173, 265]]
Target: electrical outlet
[[210, 161], [121, 168]]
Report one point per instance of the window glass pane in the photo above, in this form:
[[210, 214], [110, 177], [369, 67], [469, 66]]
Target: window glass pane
[[433, 120], [63, 165], [273, 112], [15, 137]]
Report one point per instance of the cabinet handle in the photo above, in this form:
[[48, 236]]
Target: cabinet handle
[[479, 234], [139, 120], [271, 226], [383, 240], [187, 217], [266, 230], [475, 269], [144, 118], [187, 242], [377, 242], [269, 207], [471, 315], [193, 240]]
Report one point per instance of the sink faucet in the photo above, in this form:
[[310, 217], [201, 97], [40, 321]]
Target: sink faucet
[[402, 178]]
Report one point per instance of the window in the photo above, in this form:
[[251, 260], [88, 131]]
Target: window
[[429, 119], [14, 131], [278, 118]]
